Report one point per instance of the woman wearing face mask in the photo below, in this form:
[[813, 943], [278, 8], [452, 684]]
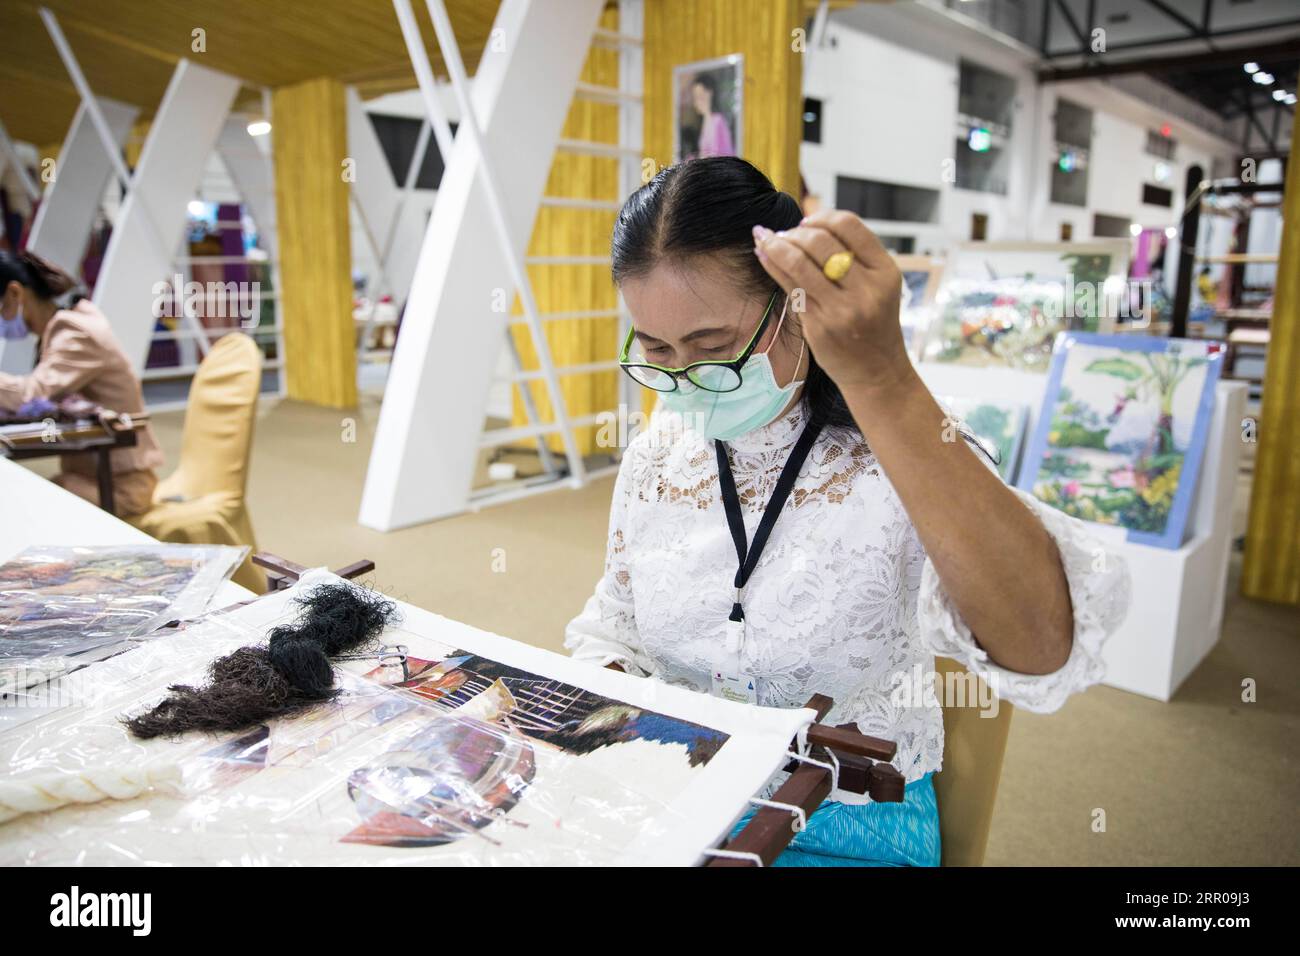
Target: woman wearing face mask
[[801, 517], [77, 353]]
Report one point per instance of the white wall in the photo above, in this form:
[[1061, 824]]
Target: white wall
[[888, 80], [1118, 163]]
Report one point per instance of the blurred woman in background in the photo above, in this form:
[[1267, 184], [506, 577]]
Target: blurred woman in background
[[77, 354]]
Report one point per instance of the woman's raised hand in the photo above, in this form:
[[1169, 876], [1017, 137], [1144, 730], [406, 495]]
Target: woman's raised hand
[[851, 325]]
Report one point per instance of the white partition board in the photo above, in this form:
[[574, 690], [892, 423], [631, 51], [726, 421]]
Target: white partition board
[[250, 171], [70, 203], [427, 441], [151, 224]]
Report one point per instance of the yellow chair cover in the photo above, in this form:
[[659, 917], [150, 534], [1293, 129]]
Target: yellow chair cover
[[967, 786], [202, 501]]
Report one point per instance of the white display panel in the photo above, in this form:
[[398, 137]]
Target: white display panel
[[68, 208], [149, 229]]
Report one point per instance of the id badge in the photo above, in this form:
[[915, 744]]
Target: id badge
[[738, 688]]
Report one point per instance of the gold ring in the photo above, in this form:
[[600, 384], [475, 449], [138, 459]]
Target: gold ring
[[837, 266]]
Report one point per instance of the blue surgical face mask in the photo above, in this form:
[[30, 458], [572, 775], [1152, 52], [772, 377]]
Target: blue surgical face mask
[[727, 415], [14, 328]]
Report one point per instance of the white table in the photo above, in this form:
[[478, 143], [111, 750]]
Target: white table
[[36, 511]]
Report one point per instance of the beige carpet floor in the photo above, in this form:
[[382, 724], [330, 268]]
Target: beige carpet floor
[[1203, 779]]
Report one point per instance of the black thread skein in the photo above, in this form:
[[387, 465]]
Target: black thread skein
[[254, 684]]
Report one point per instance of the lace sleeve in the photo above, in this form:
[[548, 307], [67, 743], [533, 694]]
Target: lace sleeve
[[1099, 591], [605, 632]]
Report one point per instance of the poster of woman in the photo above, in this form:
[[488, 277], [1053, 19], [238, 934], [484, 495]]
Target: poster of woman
[[708, 108]]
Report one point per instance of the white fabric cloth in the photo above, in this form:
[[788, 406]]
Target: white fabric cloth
[[843, 602]]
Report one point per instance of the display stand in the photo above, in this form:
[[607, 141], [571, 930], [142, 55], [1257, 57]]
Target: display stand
[[1178, 595], [1176, 609]]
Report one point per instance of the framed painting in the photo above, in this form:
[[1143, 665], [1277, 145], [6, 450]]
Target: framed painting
[[921, 278], [1004, 303], [708, 108], [1122, 431]]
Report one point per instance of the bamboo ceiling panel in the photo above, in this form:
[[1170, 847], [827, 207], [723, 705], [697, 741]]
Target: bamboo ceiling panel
[[128, 49]]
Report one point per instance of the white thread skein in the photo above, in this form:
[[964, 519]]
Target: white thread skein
[[40, 793]]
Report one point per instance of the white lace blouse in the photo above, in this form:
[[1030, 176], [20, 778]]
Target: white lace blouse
[[843, 601]]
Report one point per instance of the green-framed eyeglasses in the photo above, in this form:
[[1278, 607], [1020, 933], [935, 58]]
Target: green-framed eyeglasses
[[712, 375]]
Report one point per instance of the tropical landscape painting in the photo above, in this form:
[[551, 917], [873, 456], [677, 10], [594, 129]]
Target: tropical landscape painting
[[1004, 304], [1122, 432]]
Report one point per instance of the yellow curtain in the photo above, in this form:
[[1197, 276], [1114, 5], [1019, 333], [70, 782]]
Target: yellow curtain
[[311, 200], [1272, 563]]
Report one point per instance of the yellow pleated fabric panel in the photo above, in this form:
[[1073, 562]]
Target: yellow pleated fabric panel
[[683, 31], [311, 200], [1272, 563], [561, 231], [135, 142]]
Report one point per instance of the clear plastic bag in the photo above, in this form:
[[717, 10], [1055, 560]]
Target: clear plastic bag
[[378, 775], [464, 749], [66, 601]]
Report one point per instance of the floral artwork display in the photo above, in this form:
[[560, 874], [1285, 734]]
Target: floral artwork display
[[1004, 304], [1122, 432], [995, 322], [1000, 427]]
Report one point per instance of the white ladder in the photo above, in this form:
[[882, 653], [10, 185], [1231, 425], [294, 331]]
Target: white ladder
[[627, 152]]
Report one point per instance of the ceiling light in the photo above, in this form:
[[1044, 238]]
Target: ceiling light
[[1171, 233], [1251, 67], [260, 128], [1262, 78], [196, 208], [1279, 95], [1134, 229]]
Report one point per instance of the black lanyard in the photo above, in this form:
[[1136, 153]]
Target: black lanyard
[[747, 556]]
